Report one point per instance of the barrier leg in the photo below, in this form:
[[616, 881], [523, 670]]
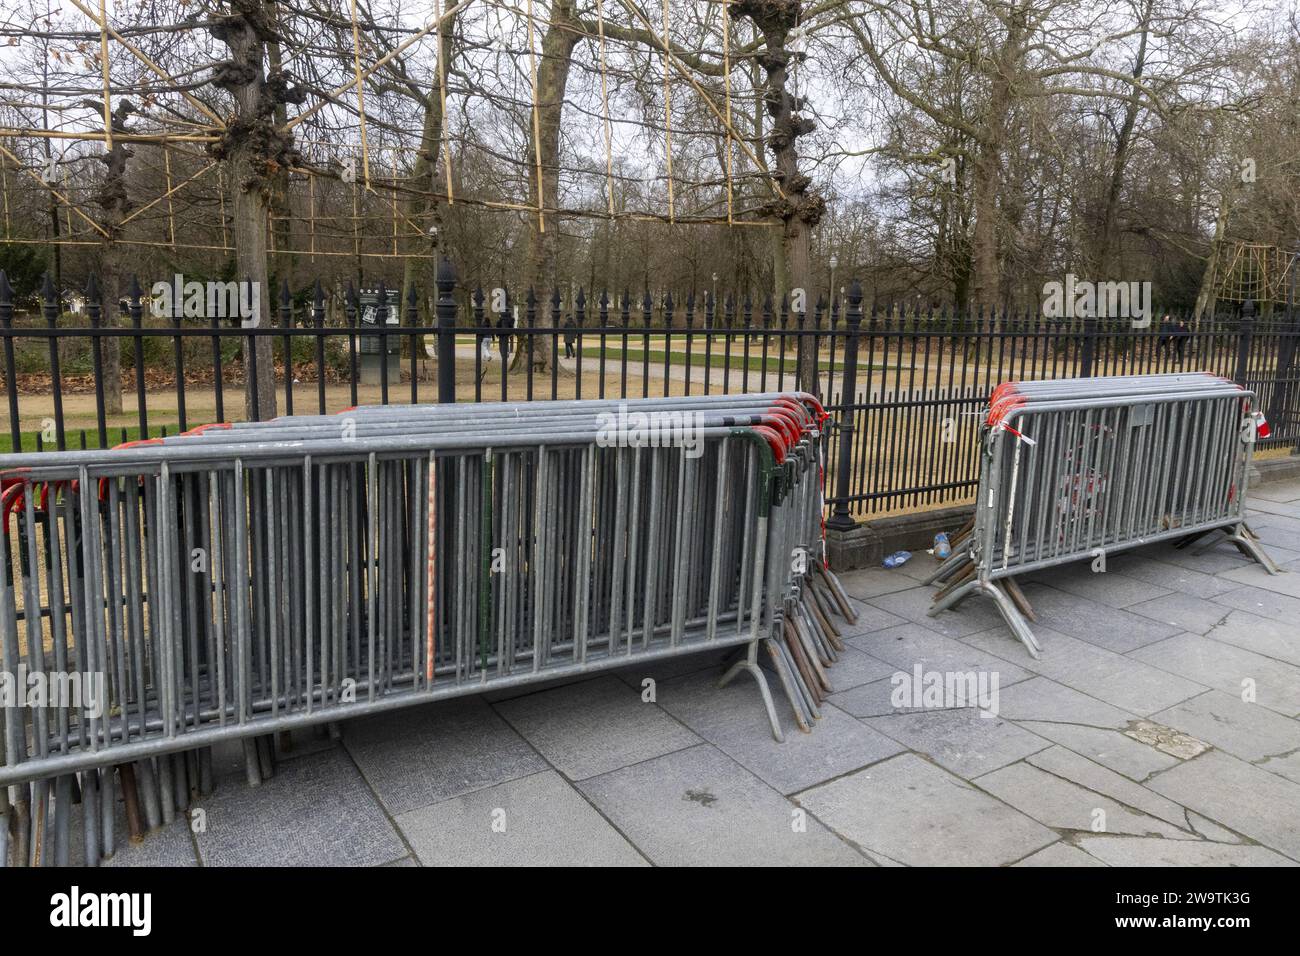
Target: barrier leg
[[750, 663], [782, 671], [1015, 620], [1010, 613], [1241, 536], [1250, 546], [947, 599], [4, 827], [949, 565]]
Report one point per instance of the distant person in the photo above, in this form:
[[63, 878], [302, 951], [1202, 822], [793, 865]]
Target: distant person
[[1181, 334], [570, 337], [1167, 328]]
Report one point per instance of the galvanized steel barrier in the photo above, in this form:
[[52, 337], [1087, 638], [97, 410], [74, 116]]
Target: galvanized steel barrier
[[1075, 469], [239, 581]]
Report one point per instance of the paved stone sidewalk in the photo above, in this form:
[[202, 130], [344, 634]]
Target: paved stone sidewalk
[[1161, 726]]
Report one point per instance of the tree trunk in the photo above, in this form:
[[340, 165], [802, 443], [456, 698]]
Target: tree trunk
[[111, 286], [987, 164], [427, 177], [561, 37], [281, 222], [1206, 297], [256, 151], [115, 203], [1108, 238], [798, 207]]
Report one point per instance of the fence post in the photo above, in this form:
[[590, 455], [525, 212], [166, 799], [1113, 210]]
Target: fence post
[[841, 520], [51, 306], [1280, 415], [446, 313], [135, 311], [94, 311], [1244, 336], [1086, 356], [11, 380]]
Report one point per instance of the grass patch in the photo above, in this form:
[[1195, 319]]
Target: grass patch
[[718, 359], [73, 438]]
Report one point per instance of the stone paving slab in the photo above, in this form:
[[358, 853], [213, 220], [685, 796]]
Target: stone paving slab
[[1083, 724], [1279, 607], [1252, 801], [963, 741], [1144, 566], [913, 812], [700, 807], [1255, 575], [733, 720], [1183, 612], [420, 755], [1222, 558], [523, 690], [870, 618], [1248, 731], [906, 646], [711, 661], [1211, 830], [1285, 765], [1060, 854], [976, 614], [1285, 491], [316, 811], [1042, 699], [1112, 590], [867, 583], [1068, 765], [1065, 805], [855, 668], [1262, 506], [1092, 621], [539, 820], [1140, 851], [875, 699], [1112, 749], [918, 569], [1263, 635], [597, 727], [169, 845], [1123, 681], [1278, 540], [1220, 665]]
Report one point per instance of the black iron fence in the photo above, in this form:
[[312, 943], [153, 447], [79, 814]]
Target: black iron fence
[[904, 384]]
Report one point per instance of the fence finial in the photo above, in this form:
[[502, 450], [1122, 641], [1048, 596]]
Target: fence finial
[[446, 276]]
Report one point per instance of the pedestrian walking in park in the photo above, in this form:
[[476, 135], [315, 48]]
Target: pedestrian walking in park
[[570, 336], [1181, 334], [1167, 328]]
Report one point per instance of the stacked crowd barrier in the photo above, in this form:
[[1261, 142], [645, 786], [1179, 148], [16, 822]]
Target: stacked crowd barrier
[[244, 580]]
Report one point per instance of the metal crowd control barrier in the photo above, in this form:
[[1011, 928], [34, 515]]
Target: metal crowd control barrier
[[240, 581], [1076, 469]]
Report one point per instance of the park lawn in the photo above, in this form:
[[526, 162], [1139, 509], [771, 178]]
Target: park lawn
[[116, 435], [716, 359]]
